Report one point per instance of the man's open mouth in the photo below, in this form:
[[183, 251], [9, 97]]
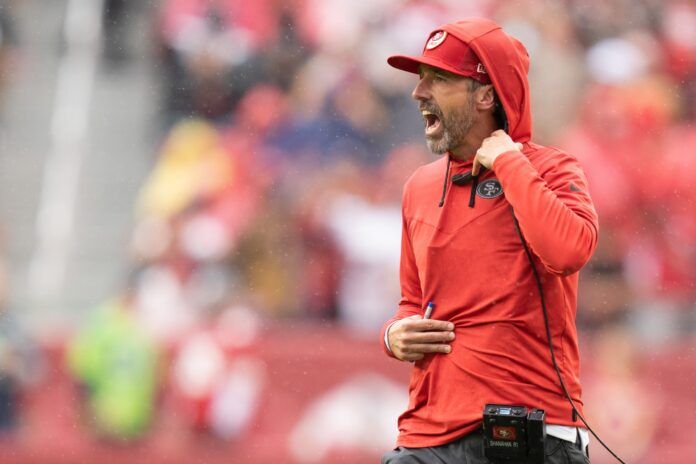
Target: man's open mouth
[[432, 122]]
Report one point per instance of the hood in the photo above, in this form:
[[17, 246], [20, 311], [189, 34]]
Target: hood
[[507, 62]]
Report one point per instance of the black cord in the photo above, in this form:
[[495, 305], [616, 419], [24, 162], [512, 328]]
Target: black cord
[[576, 413], [472, 196], [444, 184]]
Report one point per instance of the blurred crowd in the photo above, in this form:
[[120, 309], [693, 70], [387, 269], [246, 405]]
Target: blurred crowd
[[290, 138], [287, 139]]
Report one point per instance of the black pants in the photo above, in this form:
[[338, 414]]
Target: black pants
[[469, 450]]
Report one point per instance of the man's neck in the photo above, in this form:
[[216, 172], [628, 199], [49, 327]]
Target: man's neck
[[473, 140]]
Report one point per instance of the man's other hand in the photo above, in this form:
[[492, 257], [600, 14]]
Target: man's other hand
[[492, 147], [413, 337]]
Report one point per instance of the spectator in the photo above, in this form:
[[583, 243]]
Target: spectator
[[116, 367]]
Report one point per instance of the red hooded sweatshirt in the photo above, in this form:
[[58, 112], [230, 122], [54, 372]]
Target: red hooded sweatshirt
[[471, 263]]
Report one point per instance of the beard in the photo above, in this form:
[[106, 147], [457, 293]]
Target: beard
[[455, 127]]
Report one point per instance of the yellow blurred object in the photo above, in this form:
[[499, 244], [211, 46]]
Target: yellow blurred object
[[193, 164]]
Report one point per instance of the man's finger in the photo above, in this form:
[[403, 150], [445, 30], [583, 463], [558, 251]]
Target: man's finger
[[519, 146], [428, 348], [431, 337], [428, 325]]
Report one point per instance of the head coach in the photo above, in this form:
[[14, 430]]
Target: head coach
[[494, 234]]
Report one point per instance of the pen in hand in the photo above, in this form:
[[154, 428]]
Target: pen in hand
[[429, 310]]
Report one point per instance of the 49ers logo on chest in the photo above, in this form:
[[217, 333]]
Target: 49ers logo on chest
[[490, 188]]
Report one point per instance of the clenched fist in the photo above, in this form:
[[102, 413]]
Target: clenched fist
[[492, 147], [413, 337]]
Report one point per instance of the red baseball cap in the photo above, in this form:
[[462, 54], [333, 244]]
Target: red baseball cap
[[444, 51]]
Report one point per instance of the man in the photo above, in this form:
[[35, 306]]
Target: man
[[462, 250]]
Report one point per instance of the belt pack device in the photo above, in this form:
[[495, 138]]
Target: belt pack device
[[513, 434]]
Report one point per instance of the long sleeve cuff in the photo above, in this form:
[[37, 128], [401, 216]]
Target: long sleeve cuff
[[386, 337]]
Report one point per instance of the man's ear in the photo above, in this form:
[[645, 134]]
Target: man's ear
[[485, 98]]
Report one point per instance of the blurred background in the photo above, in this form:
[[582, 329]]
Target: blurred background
[[200, 221]]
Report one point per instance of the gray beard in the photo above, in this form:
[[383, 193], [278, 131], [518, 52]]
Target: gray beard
[[454, 129]]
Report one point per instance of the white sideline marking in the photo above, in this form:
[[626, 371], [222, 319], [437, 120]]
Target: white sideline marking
[[61, 172]]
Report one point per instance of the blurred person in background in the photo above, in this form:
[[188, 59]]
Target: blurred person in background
[[195, 212], [12, 368], [217, 376], [20, 369], [472, 260], [364, 222], [19, 362], [115, 364]]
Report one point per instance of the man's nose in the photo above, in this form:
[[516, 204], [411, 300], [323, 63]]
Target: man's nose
[[421, 91]]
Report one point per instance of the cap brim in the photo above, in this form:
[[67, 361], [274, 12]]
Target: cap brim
[[412, 63]]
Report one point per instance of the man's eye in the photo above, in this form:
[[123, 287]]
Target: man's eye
[[440, 77]]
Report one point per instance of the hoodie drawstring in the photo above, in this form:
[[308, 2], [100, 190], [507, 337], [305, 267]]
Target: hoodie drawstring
[[472, 198], [461, 179], [444, 184]]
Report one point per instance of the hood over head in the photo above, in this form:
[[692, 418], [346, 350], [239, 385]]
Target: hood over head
[[504, 62]]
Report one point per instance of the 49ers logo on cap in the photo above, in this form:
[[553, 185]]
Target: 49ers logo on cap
[[436, 39]]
